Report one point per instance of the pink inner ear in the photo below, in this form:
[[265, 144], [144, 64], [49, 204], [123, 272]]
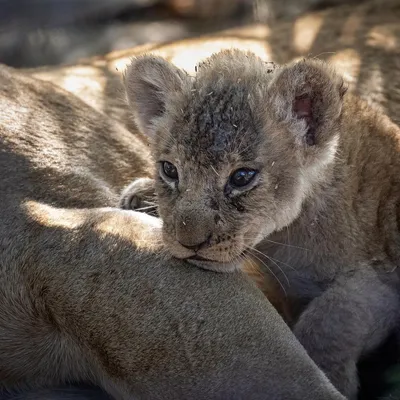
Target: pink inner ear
[[302, 107]]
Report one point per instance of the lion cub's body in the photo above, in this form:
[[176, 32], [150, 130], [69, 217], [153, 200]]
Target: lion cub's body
[[352, 221], [323, 209]]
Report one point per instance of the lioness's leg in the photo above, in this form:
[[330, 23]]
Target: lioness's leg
[[352, 317]]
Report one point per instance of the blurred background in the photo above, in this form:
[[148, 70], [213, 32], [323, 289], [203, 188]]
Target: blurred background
[[53, 32], [50, 32]]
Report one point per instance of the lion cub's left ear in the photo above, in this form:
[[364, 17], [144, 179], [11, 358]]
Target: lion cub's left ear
[[308, 97], [150, 81]]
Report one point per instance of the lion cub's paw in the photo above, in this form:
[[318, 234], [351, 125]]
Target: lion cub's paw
[[140, 196]]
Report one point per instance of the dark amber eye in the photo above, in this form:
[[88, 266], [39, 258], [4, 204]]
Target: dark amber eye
[[242, 177], [169, 170]]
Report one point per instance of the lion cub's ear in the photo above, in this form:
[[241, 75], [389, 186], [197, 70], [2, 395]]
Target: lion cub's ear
[[149, 83], [307, 96]]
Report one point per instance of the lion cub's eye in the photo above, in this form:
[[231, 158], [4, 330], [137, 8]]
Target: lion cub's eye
[[169, 171], [242, 177]]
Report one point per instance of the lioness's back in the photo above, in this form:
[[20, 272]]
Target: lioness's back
[[44, 127]]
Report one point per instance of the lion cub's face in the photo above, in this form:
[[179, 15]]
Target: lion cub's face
[[238, 148]]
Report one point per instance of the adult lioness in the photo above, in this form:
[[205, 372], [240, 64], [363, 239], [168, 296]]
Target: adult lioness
[[89, 294]]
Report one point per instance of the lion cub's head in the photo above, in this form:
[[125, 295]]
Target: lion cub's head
[[238, 147]]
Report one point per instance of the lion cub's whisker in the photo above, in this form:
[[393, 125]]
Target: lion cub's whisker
[[146, 208], [272, 258], [251, 252], [249, 259]]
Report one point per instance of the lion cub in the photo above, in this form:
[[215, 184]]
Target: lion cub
[[281, 159]]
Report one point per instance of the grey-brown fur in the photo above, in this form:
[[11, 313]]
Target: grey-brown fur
[[78, 392], [89, 294], [323, 211]]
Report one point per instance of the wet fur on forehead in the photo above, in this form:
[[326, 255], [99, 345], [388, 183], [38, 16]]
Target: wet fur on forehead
[[234, 93], [233, 66], [213, 118]]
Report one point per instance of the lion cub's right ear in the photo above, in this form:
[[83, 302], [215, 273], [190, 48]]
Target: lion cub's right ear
[[149, 83]]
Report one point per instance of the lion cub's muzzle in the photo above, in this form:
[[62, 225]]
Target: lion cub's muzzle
[[218, 253]]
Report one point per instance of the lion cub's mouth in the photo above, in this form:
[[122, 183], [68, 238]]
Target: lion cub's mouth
[[212, 265]]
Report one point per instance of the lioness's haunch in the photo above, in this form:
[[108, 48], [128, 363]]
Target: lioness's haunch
[[89, 295], [278, 163]]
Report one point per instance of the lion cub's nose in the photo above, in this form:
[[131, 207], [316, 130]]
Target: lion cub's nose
[[193, 230]]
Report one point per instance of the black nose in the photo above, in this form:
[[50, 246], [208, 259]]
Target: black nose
[[196, 247]]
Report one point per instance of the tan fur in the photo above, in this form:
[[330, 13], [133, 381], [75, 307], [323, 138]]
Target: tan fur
[[88, 293], [323, 208]]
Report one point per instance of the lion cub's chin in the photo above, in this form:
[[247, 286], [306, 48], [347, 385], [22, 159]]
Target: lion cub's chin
[[216, 266]]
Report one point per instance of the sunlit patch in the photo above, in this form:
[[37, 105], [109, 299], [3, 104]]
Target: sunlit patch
[[255, 31], [142, 230], [305, 31], [121, 64], [75, 79], [141, 218], [14, 115], [83, 81], [348, 63], [83, 78], [189, 57], [384, 37], [53, 217]]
